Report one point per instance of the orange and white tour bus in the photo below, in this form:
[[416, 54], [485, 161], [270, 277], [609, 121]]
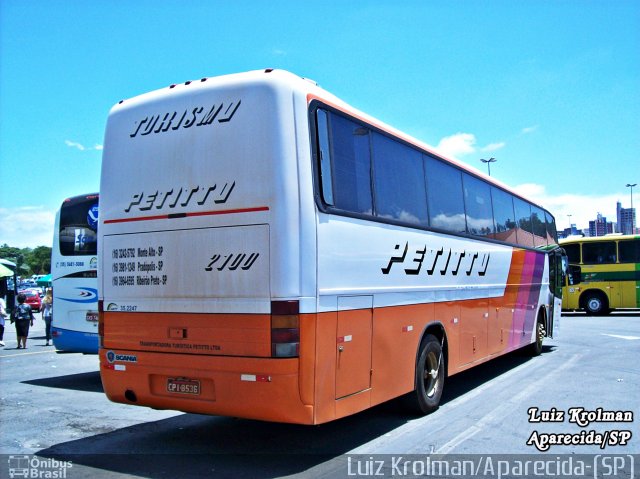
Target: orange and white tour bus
[[267, 251]]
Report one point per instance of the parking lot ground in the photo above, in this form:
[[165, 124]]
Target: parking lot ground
[[52, 408]]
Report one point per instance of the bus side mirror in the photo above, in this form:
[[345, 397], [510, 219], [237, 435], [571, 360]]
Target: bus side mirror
[[575, 274]]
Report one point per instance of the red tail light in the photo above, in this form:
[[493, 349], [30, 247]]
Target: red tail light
[[285, 329]]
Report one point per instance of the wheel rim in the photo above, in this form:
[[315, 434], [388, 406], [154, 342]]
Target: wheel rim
[[431, 374], [594, 304]]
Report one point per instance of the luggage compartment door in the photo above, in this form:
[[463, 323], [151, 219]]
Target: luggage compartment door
[[353, 344]]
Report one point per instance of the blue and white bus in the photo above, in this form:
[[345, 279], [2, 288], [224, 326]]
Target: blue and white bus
[[74, 266]]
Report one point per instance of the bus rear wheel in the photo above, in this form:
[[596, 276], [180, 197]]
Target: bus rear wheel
[[535, 348], [595, 303], [429, 377]]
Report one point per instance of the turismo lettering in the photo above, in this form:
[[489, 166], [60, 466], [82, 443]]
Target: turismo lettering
[[173, 120]]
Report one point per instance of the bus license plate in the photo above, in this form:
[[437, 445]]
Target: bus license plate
[[92, 316], [183, 386]]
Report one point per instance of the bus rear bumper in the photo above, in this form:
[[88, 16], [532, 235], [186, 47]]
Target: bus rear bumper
[[74, 341], [253, 388]]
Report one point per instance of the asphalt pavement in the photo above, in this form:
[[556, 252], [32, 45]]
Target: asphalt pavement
[[55, 417]]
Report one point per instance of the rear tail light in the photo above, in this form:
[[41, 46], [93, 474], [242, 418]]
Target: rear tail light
[[285, 329], [100, 323]]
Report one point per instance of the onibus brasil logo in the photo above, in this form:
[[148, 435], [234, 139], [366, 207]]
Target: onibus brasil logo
[[37, 467]]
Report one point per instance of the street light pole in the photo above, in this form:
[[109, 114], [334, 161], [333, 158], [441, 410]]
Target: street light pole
[[488, 162], [633, 226]]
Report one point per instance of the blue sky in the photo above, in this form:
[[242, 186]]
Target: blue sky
[[551, 89]]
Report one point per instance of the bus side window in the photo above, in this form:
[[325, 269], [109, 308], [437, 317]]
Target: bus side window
[[599, 253], [325, 157], [349, 168], [445, 197], [573, 252], [629, 251]]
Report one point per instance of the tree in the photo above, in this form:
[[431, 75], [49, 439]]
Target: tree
[[28, 261], [12, 254], [39, 260]]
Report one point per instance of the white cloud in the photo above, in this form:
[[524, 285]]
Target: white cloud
[[582, 208], [529, 129], [456, 145], [27, 226], [461, 144], [493, 146], [80, 146], [73, 144]]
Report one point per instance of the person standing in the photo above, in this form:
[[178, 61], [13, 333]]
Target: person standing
[[23, 317], [3, 316], [47, 314]]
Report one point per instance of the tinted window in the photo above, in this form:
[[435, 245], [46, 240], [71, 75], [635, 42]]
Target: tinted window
[[444, 191], [599, 253], [552, 233], [477, 201], [523, 218], [324, 151], [400, 192], [538, 226], [503, 215], [351, 164], [629, 251], [573, 252], [79, 226]]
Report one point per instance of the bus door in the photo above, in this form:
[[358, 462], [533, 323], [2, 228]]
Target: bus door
[[557, 265], [353, 344], [599, 260]]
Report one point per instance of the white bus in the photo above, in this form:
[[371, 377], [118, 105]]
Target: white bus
[[74, 266], [269, 252]]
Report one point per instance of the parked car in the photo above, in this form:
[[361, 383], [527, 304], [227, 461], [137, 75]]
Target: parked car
[[26, 285], [39, 290], [33, 299]]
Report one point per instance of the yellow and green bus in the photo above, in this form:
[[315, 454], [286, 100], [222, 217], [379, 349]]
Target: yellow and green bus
[[604, 273]]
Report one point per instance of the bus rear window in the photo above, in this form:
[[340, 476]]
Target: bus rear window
[[78, 227]]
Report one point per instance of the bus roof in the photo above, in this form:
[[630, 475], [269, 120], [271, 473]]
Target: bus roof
[[595, 239], [87, 196]]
